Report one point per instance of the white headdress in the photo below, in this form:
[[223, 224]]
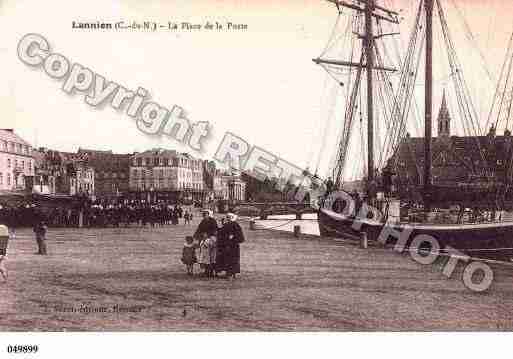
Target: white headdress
[[231, 217]]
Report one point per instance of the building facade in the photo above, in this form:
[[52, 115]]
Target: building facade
[[63, 173], [16, 162], [166, 175], [111, 173], [455, 160], [229, 187]]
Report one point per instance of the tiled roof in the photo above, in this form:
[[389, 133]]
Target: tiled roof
[[10, 136], [110, 162], [455, 158], [94, 152], [163, 152]]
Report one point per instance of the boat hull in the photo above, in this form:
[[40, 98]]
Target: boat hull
[[487, 240]]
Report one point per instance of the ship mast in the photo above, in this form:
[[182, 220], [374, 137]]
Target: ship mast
[[369, 55], [371, 11], [428, 98]]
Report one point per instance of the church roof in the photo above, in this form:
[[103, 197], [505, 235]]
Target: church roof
[[444, 110], [457, 157]]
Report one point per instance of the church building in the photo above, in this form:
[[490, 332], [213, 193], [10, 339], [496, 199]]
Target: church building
[[455, 160]]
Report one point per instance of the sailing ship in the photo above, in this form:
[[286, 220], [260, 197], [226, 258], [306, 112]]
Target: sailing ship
[[416, 208]]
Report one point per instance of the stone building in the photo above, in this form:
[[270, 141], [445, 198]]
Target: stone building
[[229, 187], [63, 173], [455, 160], [166, 175], [16, 162], [111, 173], [223, 185]]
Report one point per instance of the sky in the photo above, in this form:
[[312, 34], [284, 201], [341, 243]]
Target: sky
[[259, 83]]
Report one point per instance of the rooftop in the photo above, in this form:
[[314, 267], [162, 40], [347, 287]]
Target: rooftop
[[10, 136]]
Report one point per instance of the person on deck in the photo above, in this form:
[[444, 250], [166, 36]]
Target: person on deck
[[329, 186], [386, 176]]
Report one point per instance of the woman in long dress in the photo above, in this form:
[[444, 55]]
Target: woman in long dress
[[232, 237]]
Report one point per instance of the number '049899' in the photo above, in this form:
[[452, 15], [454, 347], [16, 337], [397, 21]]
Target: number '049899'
[[22, 349]]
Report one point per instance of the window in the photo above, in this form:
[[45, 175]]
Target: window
[[8, 179], [1, 178], [8, 163], [139, 162]]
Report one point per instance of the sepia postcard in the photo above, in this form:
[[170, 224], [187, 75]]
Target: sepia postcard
[[300, 167]]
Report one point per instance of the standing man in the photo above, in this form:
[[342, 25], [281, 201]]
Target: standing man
[[40, 229], [4, 240]]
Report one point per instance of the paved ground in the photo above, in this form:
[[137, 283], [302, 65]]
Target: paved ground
[[286, 284]]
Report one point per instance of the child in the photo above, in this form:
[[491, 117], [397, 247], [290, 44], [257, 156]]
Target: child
[[189, 254], [207, 258]]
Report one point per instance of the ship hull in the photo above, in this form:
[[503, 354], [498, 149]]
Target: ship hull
[[487, 240]]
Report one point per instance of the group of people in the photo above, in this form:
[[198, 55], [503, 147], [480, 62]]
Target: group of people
[[215, 248], [136, 213], [97, 215]]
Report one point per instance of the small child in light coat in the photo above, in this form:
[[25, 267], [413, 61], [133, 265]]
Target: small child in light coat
[[189, 254], [207, 254]]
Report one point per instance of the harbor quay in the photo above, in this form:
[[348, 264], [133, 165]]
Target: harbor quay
[[101, 279]]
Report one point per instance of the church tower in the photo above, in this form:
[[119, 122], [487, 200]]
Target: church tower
[[444, 120]]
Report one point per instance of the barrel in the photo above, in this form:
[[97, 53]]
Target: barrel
[[4, 239]]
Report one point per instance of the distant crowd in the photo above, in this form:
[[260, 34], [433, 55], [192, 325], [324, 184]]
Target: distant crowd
[[97, 215]]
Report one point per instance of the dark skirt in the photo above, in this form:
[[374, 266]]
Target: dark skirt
[[228, 258]]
